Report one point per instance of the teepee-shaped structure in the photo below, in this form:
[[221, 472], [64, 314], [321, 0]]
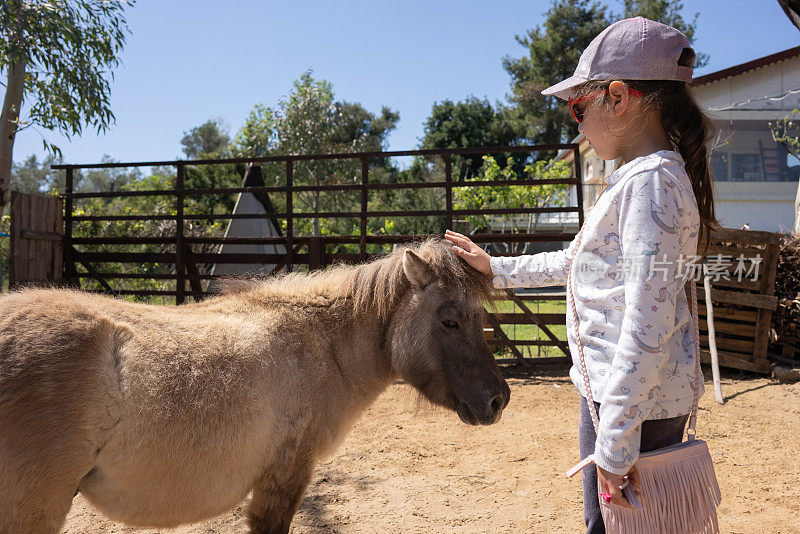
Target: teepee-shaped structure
[[251, 203]]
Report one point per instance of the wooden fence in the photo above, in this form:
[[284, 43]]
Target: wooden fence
[[315, 252]]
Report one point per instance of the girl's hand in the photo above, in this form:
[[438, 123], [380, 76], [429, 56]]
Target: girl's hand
[[474, 255], [610, 483]]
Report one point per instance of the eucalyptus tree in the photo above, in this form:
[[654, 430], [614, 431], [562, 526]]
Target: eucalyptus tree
[[57, 57]]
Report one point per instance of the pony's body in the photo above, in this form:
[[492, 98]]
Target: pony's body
[[167, 415]]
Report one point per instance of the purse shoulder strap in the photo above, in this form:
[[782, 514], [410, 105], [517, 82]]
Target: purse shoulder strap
[[690, 431]]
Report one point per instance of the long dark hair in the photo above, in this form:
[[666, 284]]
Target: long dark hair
[[688, 128]]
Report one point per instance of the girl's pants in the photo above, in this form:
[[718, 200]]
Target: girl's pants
[[656, 433]]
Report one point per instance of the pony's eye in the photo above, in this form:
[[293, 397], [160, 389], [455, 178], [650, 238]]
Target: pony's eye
[[450, 325]]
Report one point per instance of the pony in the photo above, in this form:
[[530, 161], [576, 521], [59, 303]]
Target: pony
[[165, 415]]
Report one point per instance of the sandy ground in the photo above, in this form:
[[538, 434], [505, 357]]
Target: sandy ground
[[410, 468]]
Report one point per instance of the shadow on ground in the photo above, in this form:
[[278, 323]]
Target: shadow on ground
[[323, 501]]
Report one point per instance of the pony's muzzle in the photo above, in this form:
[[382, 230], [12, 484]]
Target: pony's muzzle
[[485, 412]]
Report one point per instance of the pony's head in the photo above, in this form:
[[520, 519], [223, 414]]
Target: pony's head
[[431, 303]]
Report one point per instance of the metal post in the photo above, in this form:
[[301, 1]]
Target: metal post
[[180, 269], [576, 157], [289, 219], [448, 191], [315, 253], [69, 261], [364, 192]]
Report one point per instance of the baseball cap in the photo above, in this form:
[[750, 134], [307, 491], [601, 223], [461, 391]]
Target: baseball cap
[[631, 49]]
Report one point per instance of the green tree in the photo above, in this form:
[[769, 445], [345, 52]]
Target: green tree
[[258, 137], [311, 121], [472, 122], [513, 196], [420, 170], [357, 129], [112, 179], [161, 179], [60, 53], [786, 131], [210, 139], [553, 53], [35, 176], [141, 205], [31, 176]]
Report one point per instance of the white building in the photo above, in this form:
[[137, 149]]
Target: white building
[[755, 178]]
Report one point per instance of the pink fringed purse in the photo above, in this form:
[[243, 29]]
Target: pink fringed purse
[[677, 484]]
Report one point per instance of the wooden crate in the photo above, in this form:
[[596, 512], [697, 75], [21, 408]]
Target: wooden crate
[[743, 303]]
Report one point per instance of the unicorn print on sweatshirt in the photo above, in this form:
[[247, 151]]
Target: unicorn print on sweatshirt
[[635, 326]]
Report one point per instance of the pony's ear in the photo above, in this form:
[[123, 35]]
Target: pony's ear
[[417, 271]]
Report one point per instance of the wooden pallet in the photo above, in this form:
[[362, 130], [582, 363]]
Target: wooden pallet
[[743, 303]]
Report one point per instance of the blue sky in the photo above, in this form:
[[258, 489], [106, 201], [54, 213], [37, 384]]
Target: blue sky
[[190, 60]]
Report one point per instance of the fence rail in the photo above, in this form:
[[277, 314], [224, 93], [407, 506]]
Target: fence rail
[[184, 259]]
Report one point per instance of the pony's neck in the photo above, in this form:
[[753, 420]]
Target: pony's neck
[[350, 308], [358, 319], [362, 352]]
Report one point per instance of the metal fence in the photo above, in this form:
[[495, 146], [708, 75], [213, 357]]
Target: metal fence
[[312, 251]]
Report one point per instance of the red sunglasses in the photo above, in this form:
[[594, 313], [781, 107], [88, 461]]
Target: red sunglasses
[[579, 111]]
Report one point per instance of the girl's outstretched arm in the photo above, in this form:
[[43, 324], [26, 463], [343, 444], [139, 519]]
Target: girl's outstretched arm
[[532, 270]]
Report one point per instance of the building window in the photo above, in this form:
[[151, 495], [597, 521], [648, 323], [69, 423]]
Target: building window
[[746, 168], [719, 166], [746, 152], [789, 162]]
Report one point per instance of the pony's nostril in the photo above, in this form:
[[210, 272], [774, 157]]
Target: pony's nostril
[[496, 405]]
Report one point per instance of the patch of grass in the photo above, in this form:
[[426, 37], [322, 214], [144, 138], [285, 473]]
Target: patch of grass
[[525, 332]]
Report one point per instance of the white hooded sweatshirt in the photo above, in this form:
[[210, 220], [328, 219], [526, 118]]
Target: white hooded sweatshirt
[[637, 250]]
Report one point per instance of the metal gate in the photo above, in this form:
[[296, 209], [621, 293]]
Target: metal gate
[[180, 249]]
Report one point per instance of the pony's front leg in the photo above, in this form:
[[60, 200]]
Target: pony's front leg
[[275, 500]]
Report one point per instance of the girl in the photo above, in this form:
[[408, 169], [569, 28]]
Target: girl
[[637, 247]]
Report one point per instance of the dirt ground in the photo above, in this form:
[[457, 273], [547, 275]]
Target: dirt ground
[[406, 467]]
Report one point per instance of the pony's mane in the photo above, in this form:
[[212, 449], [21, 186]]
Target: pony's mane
[[380, 285], [377, 286]]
